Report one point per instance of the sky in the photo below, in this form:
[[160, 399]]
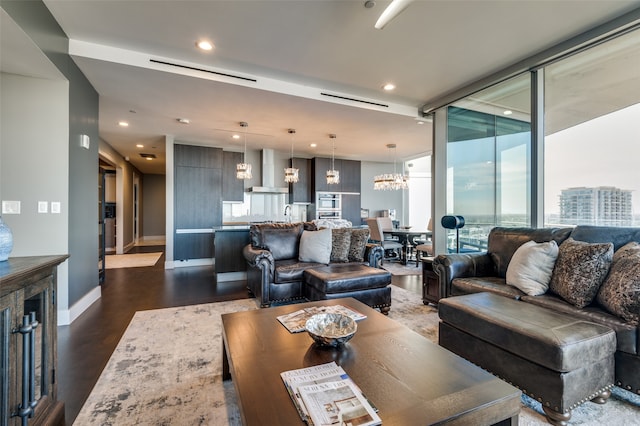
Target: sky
[[604, 151]]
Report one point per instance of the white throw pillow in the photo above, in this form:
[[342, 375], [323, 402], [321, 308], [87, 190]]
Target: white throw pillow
[[531, 266], [315, 246]]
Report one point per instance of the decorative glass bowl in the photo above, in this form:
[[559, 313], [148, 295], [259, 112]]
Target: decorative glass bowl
[[330, 329]]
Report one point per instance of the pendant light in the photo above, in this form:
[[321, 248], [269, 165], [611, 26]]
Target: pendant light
[[333, 176], [243, 170], [291, 173], [391, 181]]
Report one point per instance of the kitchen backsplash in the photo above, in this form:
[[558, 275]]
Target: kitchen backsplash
[[262, 208]]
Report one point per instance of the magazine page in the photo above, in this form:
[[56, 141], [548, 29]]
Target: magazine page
[[338, 402], [295, 321]]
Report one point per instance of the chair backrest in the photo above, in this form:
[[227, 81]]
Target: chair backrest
[[430, 224], [374, 229], [385, 222]]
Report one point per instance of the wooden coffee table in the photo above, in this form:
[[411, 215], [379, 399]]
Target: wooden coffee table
[[409, 379]]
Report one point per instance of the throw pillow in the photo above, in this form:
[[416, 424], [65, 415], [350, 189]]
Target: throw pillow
[[315, 246], [531, 266], [359, 239], [620, 292], [580, 270], [341, 239], [630, 249]]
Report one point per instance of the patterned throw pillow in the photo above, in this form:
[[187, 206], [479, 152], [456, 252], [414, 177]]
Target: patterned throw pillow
[[341, 239], [359, 239], [580, 270], [620, 292]]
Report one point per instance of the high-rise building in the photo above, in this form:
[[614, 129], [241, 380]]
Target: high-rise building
[[602, 205]]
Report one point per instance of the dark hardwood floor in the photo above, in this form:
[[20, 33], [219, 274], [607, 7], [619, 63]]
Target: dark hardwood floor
[[84, 347]]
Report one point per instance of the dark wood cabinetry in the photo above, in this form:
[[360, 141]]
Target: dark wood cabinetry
[[229, 243], [430, 282], [301, 191], [198, 178], [351, 208], [232, 188], [28, 341], [350, 179]]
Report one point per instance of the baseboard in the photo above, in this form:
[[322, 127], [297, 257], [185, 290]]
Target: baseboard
[[67, 316], [188, 263], [231, 276]]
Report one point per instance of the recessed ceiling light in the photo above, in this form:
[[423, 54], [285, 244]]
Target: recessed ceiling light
[[389, 86], [183, 120], [508, 112], [420, 122], [205, 45], [149, 159], [236, 136], [123, 124], [313, 145], [140, 145]]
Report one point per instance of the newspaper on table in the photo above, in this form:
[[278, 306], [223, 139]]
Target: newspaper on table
[[295, 380], [295, 321], [338, 403]]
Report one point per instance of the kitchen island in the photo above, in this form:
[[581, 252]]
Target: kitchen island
[[228, 242]]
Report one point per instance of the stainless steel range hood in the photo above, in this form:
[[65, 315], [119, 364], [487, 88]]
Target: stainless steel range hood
[[268, 168]]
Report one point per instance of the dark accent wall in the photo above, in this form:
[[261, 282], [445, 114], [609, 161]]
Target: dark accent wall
[[153, 205], [37, 22]]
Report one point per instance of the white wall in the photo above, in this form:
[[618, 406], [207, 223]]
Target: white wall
[[34, 166]]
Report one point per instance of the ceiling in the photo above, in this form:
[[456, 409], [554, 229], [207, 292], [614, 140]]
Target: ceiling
[[274, 63]]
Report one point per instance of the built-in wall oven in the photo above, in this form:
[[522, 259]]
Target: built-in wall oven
[[328, 205]]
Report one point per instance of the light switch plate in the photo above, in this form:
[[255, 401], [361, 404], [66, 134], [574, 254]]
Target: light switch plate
[[55, 207], [10, 207], [43, 207]]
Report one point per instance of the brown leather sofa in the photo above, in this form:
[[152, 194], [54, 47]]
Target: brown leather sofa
[[466, 273], [275, 275]]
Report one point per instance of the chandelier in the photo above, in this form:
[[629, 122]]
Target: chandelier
[[391, 181], [243, 170], [291, 173], [333, 176]]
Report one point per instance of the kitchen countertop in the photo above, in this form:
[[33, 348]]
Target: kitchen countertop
[[225, 228]]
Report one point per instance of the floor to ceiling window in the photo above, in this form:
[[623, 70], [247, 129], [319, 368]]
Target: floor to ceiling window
[[592, 136], [489, 161]]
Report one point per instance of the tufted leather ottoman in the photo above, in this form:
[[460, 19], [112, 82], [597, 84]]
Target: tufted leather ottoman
[[368, 285], [555, 358]]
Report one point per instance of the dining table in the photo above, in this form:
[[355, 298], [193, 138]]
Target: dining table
[[406, 237]]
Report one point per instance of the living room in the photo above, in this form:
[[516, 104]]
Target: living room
[[72, 181]]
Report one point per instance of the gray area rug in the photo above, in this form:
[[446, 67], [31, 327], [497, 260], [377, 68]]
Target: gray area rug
[[397, 268], [166, 370]]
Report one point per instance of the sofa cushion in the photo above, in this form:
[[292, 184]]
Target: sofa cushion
[[580, 270], [358, 245], [340, 242], [503, 242], [531, 267], [481, 284], [620, 292], [315, 246], [336, 278], [282, 239], [291, 270], [617, 235]]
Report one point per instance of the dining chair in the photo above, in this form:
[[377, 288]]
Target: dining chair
[[425, 247], [377, 235], [386, 223]]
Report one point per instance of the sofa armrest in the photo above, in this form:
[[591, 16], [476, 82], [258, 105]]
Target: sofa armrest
[[259, 258], [373, 254], [461, 265]]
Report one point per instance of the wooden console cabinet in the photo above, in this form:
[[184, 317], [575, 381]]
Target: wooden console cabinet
[[28, 342], [430, 283]]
